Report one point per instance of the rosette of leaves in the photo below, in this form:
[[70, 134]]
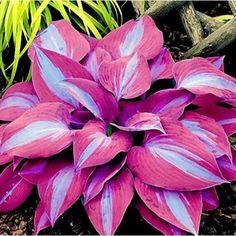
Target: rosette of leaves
[[103, 100], [21, 20]]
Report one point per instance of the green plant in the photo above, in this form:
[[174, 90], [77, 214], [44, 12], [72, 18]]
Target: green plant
[[95, 126], [21, 20]]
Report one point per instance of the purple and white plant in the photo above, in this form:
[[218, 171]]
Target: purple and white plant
[[95, 95]]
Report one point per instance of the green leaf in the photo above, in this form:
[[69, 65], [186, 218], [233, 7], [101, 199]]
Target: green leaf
[[22, 19], [42, 6], [47, 16], [86, 21], [8, 25], [58, 5]]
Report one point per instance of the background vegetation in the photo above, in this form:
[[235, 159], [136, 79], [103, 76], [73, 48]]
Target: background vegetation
[[21, 21]]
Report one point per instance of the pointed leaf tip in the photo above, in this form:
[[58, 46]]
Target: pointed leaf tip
[[107, 209], [60, 187], [127, 77], [209, 132], [182, 209], [61, 38], [161, 67], [134, 36], [41, 220], [168, 102], [49, 70], [200, 77], [158, 223], [99, 177], [209, 199], [142, 121], [14, 190], [93, 96]]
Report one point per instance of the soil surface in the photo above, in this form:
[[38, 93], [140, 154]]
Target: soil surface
[[74, 221]]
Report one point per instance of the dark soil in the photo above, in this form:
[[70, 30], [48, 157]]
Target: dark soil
[[74, 221]]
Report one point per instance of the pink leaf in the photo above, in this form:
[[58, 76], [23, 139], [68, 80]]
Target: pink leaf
[[4, 158], [209, 132], [91, 40], [2, 127], [127, 77], [134, 36], [93, 147], [17, 162], [93, 61], [227, 167], [127, 109], [201, 77], [80, 118], [230, 101], [40, 132], [141, 122], [14, 190], [32, 170], [217, 61], [226, 117], [169, 102], [50, 69], [16, 100], [41, 220], [99, 177], [205, 100], [62, 38], [209, 199], [161, 66], [107, 209], [159, 224], [182, 209], [92, 96], [177, 160], [60, 187]]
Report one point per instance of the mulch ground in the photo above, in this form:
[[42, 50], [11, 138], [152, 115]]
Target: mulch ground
[[74, 221]]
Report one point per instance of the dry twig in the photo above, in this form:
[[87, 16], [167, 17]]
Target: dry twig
[[215, 42], [191, 23], [162, 8]]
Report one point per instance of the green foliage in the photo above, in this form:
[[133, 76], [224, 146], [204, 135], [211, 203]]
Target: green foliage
[[22, 19]]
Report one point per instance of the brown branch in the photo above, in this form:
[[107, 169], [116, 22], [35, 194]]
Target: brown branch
[[191, 23], [209, 24], [162, 8], [139, 7], [232, 5], [215, 42]]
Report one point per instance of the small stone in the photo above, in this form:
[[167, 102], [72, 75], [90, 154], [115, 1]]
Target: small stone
[[22, 225], [18, 232], [233, 216]]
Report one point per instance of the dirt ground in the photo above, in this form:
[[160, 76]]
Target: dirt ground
[[74, 221]]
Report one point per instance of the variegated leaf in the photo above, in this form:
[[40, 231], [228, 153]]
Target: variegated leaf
[[107, 209], [93, 147], [182, 209], [62, 38], [134, 36], [177, 160], [42, 131], [16, 100], [14, 189]]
